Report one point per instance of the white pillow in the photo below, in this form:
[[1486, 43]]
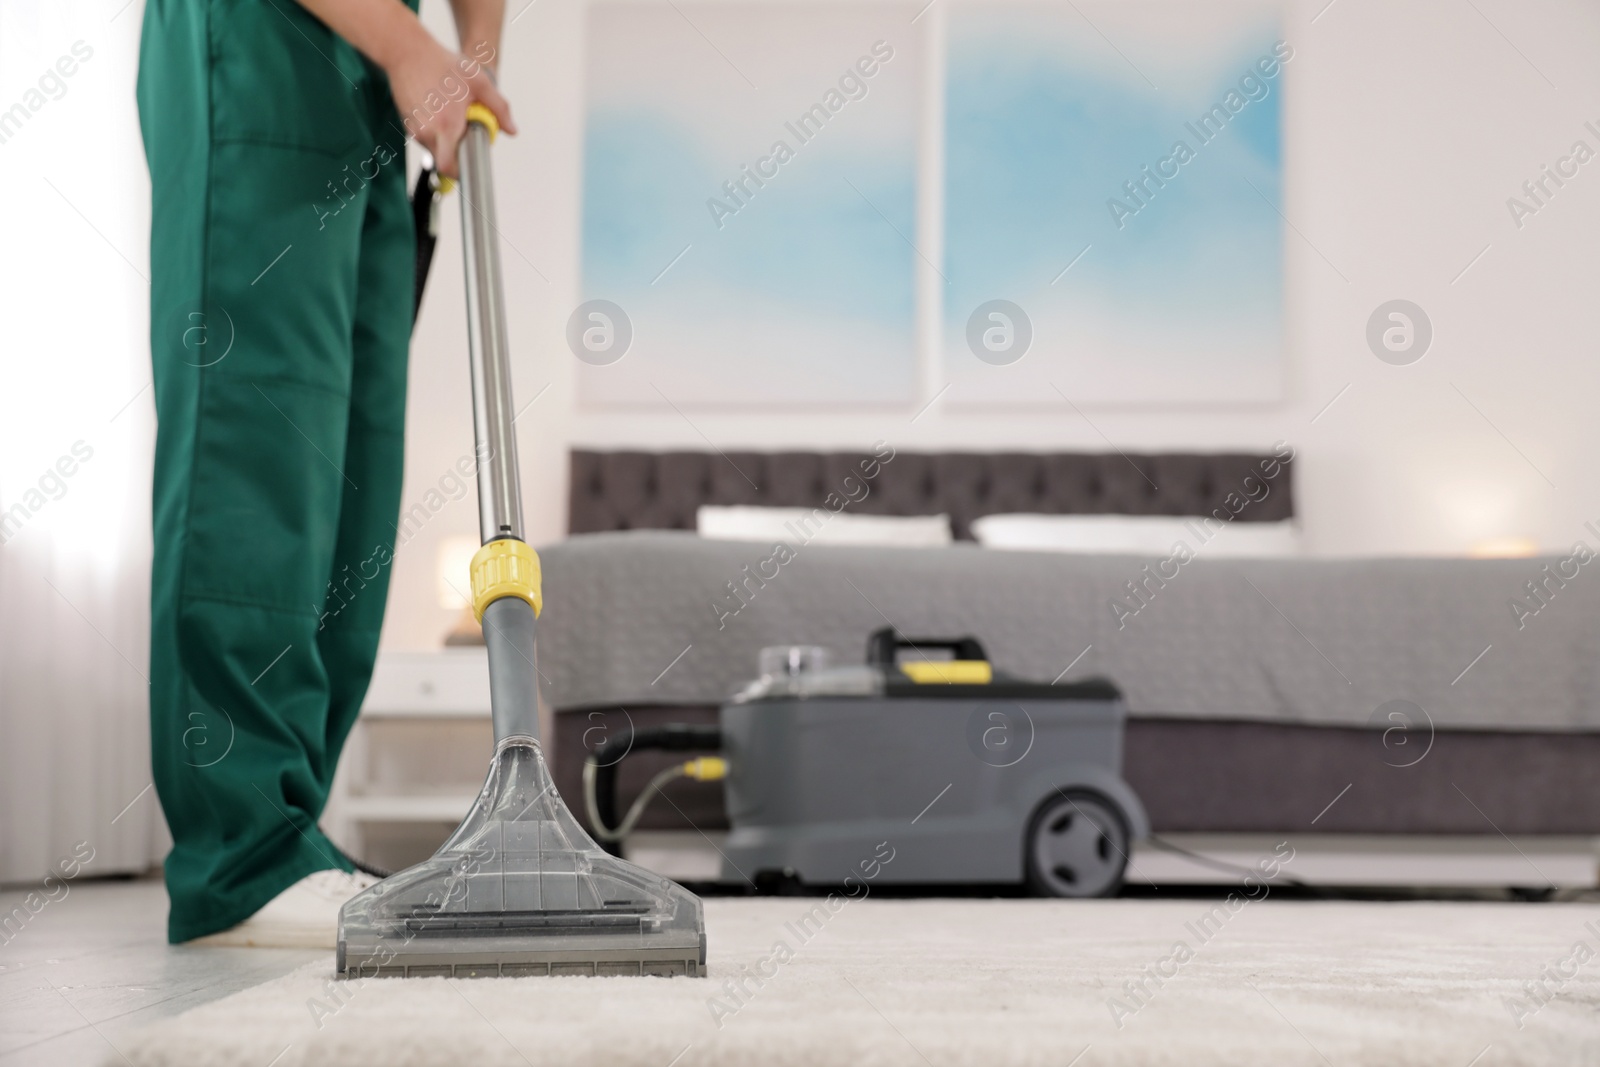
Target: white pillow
[[1139, 535], [823, 526]]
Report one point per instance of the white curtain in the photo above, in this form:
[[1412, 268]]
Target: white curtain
[[76, 430]]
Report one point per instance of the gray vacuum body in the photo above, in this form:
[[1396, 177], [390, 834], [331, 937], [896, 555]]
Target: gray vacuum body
[[961, 784]]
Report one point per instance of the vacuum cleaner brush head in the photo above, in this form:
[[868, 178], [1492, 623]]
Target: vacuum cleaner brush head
[[521, 889]]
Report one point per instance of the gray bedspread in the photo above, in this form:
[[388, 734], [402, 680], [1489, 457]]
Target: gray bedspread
[[649, 617]]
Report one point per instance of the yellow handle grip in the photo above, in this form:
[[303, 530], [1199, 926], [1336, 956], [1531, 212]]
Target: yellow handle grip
[[480, 114]]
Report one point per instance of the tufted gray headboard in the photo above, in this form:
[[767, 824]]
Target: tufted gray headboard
[[662, 490]]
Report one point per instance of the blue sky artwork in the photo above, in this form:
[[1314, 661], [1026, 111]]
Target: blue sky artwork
[[1116, 171], [749, 192]]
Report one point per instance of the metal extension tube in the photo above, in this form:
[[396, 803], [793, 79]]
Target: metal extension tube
[[499, 491], [508, 623]]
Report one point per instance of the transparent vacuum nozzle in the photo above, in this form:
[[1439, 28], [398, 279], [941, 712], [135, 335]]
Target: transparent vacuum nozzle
[[521, 889]]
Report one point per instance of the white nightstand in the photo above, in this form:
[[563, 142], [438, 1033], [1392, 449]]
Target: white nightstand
[[416, 758]]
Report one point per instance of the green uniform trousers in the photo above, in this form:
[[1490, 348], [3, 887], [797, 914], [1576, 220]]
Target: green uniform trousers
[[282, 258]]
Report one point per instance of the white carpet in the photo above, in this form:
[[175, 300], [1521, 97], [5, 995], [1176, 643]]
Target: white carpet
[[940, 983]]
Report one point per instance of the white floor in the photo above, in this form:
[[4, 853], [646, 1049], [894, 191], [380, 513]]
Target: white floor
[[93, 966], [920, 982]]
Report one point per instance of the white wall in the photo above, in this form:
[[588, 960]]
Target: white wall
[[1407, 126]]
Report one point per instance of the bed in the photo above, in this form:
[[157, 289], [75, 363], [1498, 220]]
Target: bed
[[1272, 696]]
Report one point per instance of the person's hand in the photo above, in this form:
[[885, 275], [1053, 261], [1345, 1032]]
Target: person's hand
[[432, 87]]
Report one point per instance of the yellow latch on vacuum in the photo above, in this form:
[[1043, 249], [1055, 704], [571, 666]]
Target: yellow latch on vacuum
[[949, 672], [506, 567]]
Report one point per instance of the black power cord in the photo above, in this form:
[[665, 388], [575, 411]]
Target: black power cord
[[674, 737], [425, 222], [1223, 865], [365, 867]]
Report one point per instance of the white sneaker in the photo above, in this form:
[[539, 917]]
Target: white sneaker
[[306, 915]]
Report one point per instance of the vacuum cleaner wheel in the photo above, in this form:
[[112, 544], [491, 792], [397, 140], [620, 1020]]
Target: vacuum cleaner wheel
[[1077, 846]]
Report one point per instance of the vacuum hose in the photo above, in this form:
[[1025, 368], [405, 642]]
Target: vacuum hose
[[701, 769], [600, 774]]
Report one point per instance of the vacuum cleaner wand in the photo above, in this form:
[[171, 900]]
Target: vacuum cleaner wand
[[520, 888], [508, 629]]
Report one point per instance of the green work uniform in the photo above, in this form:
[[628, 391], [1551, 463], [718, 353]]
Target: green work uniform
[[281, 256]]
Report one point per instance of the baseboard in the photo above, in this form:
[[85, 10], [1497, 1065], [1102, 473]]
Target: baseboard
[[1353, 860], [1342, 860]]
